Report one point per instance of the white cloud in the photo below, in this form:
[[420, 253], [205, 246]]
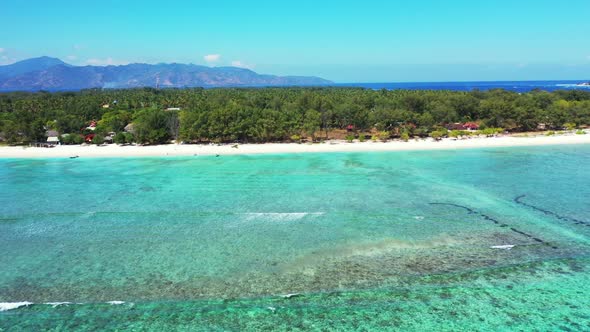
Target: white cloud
[[210, 58], [240, 64], [72, 57], [5, 60], [105, 62], [2, 50]]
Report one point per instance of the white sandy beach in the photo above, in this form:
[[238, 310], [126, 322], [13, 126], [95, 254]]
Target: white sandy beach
[[114, 150]]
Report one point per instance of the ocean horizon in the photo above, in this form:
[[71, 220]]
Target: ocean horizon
[[514, 86]]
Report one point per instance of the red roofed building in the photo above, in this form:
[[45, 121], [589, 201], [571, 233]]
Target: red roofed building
[[92, 125], [463, 126], [455, 126]]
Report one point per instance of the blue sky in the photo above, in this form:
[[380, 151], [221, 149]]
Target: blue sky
[[345, 41]]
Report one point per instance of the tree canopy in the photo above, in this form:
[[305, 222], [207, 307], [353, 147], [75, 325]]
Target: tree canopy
[[278, 114]]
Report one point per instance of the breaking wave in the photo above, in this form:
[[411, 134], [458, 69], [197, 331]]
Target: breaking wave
[[5, 306], [280, 216]]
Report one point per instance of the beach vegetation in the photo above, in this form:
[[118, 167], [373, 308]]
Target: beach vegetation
[[349, 138], [490, 131], [98, 140], [580, 132], [277, 114], [129, 138], [437, 135], [71, 139], [296, 138], [122, 138], [550, 133], [405, 136], [35, 132], [114, 121], [384, 136], [11, 132], [154, 126], [311, 123], [459, 133]]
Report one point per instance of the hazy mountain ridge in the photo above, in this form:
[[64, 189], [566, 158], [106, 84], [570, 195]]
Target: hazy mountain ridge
[[53, 74], [29, 65]]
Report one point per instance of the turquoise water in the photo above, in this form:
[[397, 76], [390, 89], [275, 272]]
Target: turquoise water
[[368, 241]]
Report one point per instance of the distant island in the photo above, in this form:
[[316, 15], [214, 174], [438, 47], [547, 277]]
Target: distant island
[[51, 74]]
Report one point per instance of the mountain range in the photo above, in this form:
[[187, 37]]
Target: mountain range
[[46, 73]]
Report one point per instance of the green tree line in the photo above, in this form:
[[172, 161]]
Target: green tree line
[[279, 114]]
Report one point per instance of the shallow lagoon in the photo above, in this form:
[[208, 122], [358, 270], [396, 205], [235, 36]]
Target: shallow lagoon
[[370, 241]]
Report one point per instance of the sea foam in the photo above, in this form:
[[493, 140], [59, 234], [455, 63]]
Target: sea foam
[[57, 304], [573, 86], [281, 216], [5, 306]]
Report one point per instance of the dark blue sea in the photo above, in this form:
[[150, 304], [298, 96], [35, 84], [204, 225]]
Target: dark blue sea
[[516, 86]]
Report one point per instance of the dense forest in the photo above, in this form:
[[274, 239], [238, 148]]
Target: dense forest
[[277, 114]]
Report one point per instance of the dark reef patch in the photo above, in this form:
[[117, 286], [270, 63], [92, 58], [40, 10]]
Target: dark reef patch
[[518, 200], [497, 222]]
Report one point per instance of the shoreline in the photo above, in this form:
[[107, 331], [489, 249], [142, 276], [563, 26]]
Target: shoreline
[[170, 150]]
